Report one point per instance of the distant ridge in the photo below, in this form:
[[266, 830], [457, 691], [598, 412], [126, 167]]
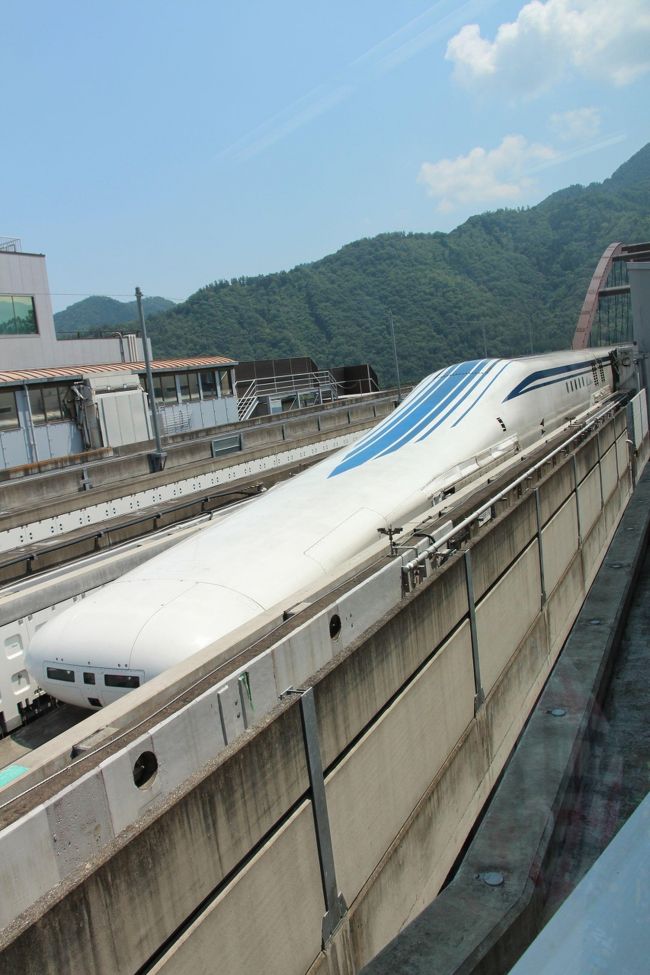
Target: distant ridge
[[99, 312], [517, 277]]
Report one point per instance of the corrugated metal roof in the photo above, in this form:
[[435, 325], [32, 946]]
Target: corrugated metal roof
[[76, 372]]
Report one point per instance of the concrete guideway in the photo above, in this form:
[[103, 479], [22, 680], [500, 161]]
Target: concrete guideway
[[27, 604], [46, 506], [525, 854], [233, 874], [48, 519]]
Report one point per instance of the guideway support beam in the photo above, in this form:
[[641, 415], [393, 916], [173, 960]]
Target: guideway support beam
[[335, 906]]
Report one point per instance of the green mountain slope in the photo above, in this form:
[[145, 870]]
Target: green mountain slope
[[101, 312], [516, 276]]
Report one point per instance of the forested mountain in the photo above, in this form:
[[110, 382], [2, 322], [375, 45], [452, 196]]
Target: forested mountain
[[99, 312], [520, 275]]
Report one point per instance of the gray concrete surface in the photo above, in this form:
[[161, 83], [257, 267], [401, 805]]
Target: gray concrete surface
[[197, 831], [574, 777]]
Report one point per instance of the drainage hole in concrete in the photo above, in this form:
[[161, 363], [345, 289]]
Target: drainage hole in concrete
[[144, 770], [335, 626]]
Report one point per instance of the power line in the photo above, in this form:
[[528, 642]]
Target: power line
[[94, 294]]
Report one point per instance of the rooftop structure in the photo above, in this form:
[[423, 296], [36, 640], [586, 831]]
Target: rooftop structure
[[63, 397]]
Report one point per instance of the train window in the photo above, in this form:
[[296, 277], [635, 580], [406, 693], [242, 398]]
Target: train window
[[58, 673], [121, 680], [89, 678]]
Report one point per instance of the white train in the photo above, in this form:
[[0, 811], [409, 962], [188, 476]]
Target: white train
[[287, 541]]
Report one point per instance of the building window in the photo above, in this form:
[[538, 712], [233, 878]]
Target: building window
[[169, 391], [189, 383], [164, 388], [226, 385], [17, 315], [8, 411], [208, 384], [50, 403]]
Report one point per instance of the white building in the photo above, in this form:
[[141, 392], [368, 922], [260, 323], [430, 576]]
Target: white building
[[62, 397]]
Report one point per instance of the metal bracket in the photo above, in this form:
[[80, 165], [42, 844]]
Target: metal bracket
[[600, 471], [479, 693], [540, 548], [391, 532], [335, 906], [576, 486]]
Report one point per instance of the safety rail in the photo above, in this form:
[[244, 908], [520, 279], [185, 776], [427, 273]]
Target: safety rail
[[247, 404], [439, 544], [11, 245], [319, 382]]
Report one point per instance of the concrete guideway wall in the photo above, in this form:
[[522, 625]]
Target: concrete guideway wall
[[126, 501], [475, 928], [190, 468], [403, 750]]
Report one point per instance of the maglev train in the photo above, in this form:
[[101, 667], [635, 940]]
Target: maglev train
[[292, 538]]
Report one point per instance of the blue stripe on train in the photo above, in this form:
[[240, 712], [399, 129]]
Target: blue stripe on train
[[435, 399], [568, 371]]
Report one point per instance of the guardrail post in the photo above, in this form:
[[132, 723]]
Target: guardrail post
[[600, 471], [575, 487], [540, 547], [479, 694], [335, 906]]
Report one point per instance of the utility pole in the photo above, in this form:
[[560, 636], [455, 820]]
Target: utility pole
[[158, 457], [392, 332]]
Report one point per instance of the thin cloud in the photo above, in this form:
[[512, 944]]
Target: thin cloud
[[549, 39], [299, 113], [501, 175], [569, 154], [576, 125], [484, 175], [394, 50]]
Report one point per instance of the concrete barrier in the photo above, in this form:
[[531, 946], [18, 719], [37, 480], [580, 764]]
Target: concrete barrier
[[472, 927], [406, 742]]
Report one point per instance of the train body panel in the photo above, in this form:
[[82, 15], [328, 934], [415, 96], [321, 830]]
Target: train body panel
[[287, 540]]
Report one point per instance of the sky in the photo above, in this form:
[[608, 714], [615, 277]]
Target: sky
[[170, 144]]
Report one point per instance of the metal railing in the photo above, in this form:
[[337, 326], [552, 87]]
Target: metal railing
[[12, 245], [445, 543], [321, 382]]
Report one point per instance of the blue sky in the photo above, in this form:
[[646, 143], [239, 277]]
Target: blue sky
[[169, 144]]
